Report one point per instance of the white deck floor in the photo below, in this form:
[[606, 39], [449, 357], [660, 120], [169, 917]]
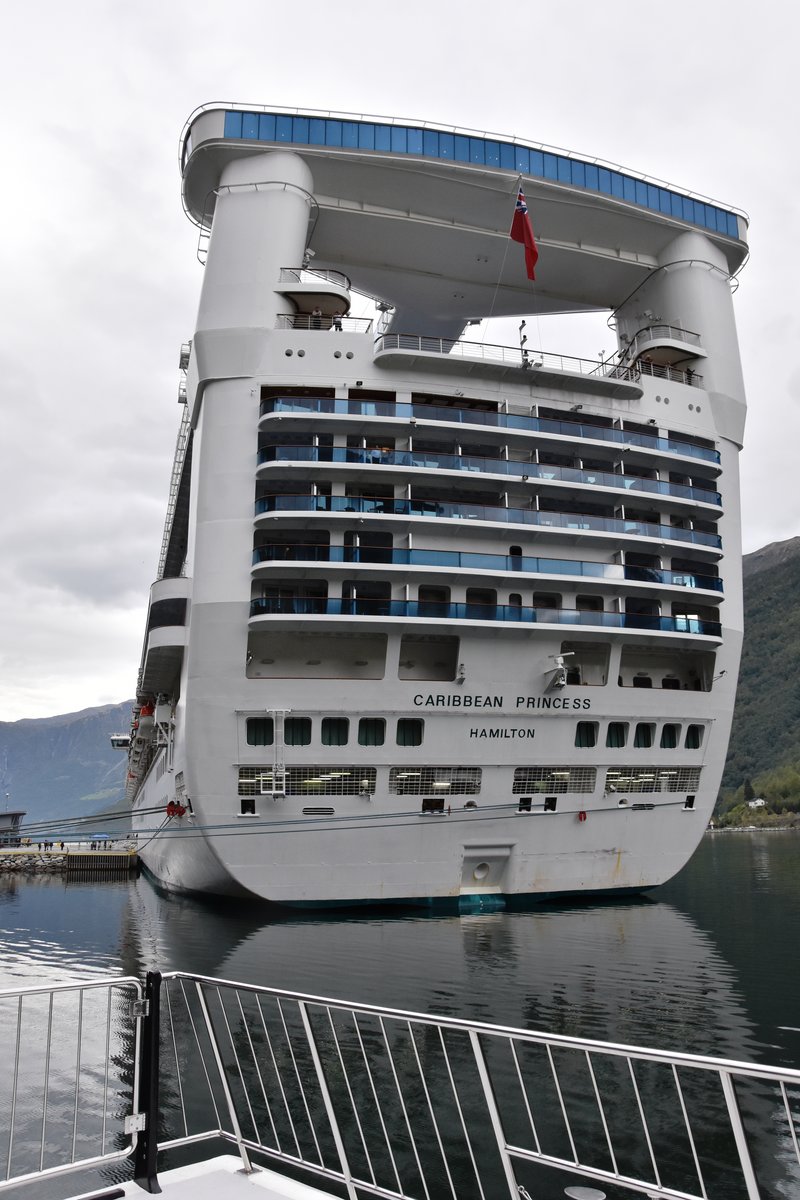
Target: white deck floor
[[221, 1179]]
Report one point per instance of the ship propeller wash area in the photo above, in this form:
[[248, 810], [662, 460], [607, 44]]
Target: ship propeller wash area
[[437, 618]]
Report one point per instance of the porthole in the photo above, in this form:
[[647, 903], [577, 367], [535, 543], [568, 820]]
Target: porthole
[[301, 353], [481, 871], [288, 353]]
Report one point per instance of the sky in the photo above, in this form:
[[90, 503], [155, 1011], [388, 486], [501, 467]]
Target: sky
[[100, 279]]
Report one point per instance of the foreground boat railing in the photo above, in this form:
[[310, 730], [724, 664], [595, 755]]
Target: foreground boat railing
[[66, 1103], [396, 1104], [378, 1102]]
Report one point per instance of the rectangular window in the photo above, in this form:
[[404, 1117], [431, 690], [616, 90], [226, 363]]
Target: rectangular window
[[371, 731], [586, 734], [409, 731], [297, 731], [669, 737], [260, 731], [335, 731], [652, 779], [248, 806], [525, 803], [643, 737], [308, 781], [433, 804], [694, 737], [554, 779], [617, 734], [450, 781], [550, 803]]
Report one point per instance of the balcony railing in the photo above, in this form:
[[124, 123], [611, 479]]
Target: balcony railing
[[455, 560], [494, 419], [306, 275], [323, 324], [427, 460], [266, 606], [435, 509], [528, 359]]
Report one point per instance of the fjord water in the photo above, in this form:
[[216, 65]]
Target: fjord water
[[706, 964]]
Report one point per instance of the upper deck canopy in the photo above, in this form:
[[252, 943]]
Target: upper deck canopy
[[420, 216]]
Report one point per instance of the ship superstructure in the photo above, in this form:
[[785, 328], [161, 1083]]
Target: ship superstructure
[[437, 618]]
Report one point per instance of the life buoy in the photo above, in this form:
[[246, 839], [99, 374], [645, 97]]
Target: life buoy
[[582, 815]]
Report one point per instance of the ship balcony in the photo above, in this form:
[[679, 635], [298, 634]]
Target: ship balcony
[[419, 511], [285, 611], [309, 289], [311, 559], [362, 464], [373, 415], [165, 636], [559, 371], [664, 346]]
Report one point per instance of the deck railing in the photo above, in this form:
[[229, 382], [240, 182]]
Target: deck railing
[[399, 1104], [66, 1101], [377, 1101]]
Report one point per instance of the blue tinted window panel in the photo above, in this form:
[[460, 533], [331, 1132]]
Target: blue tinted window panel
[[677, 205], [399, 139], [447, 145], [616, 184], [592, 177], [415, 141], [430, 143], [383, 137], [733, 225], [629, 189], [366, 136], [550, 166], [233, 124], [579, 174], [461, 151], [266, 128], [652, 197], [605, 181], [537, 163], [250, 125], [664, 200], [641, 193], [709, 217], [688, 209], [333, 133], [522, 160], [508, 156], [477, 150], [492, 150], [300, 130], [564, 170], [283, 129], [316, 132], [350, 134]]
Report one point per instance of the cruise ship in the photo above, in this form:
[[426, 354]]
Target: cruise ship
[[439, 619]]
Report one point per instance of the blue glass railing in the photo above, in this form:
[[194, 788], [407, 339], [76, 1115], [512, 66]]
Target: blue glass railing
[[429, 460], [497, 420], [266, 606], [478, 149], [482, 512], [467, 560]]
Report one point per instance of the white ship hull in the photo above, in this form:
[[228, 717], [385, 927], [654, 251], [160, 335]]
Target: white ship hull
[[435, 620]]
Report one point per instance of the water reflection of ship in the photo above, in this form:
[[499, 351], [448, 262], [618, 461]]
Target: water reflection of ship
[[636, 971]]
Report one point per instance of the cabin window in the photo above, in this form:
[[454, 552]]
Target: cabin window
[[694, 737], [550, 803], [616, 734], [586, 734], [525, 803], [433, 804], [335, 731], [643, 736], [260, 731], [371, 731], [297, 731], [409, 731], [669, 737]]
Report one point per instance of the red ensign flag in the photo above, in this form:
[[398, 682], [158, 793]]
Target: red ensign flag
[[522, 231]]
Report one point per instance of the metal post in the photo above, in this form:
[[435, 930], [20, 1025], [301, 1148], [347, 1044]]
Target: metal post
[[146, 1154]]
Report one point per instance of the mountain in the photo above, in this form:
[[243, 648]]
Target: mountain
[[766, 723], [63, 766]]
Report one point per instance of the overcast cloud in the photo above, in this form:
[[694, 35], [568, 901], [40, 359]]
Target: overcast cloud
[[100, 278]]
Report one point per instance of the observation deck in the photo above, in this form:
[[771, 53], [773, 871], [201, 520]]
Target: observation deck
[[420, 214]]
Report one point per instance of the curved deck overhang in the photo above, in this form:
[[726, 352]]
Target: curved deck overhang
[[430, 235]]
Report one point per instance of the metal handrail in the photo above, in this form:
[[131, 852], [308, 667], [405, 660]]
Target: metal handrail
[[61, 1053], [309, 275], [325, 323], [389, 1102]]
